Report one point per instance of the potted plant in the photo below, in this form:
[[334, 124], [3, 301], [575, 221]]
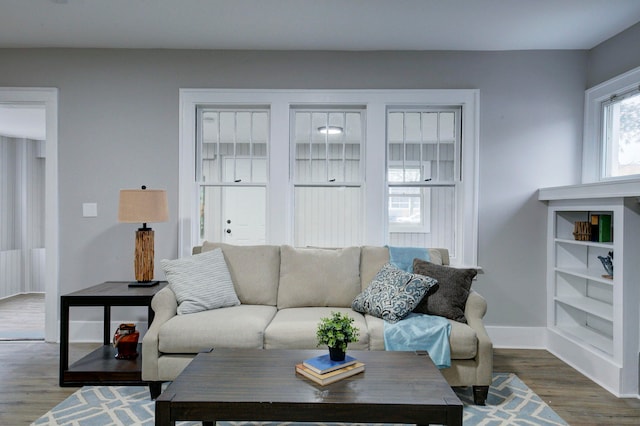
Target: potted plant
[[337, 331]]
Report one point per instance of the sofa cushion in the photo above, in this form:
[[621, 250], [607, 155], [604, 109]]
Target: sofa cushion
[[295, 328], [239, 326], [373, 258], [255, 271], [318, 277], [200, 282], [462, 339], [392, 294], [375, 327], [448, 299]]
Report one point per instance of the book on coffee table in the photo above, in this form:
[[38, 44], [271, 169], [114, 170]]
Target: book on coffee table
[[323, 364], [332, 376]]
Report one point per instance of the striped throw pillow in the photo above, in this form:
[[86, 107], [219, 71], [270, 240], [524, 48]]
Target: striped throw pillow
[[200, 282]]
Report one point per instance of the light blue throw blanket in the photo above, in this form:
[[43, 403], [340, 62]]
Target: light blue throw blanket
[[420, 332], [402, 257]]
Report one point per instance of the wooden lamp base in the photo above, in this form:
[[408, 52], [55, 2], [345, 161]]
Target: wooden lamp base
[[144, 258]]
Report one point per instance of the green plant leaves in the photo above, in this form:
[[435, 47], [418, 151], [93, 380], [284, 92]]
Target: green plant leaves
[[337, 331]]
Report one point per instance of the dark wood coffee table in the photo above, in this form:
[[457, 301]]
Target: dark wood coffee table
[[261, 385]]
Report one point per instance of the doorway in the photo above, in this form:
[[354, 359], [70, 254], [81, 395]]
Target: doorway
[[22, 195], [29, 127]]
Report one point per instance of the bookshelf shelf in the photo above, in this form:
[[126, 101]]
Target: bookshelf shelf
[[595, 307], [586, 274], [593, 320], [584, 243]]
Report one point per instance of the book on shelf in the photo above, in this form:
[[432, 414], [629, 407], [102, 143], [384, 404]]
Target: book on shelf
[[604, 229], [332, 376], [323, 364], [601, 230], [595, 225]]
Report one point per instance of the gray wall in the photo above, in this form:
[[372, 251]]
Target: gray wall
[[615, 56], [118, 127]]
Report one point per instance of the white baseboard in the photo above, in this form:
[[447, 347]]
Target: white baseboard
[[91, 331], [518, 337]]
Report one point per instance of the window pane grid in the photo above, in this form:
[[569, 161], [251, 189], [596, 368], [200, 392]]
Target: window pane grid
[[327, 146], [232, 146], [426, 139]]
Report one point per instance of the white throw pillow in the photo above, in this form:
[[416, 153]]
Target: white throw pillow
[[200, 282]]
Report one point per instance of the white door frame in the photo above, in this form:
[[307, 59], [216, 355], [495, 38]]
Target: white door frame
[[47, 97]]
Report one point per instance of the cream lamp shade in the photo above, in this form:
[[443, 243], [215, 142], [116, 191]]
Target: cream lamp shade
[[143, 206]]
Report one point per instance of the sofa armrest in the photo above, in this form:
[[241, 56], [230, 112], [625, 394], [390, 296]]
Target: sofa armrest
[[475, 310], [165, 307]]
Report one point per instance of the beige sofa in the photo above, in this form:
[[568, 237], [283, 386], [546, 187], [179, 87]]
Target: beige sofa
[[283, 293]]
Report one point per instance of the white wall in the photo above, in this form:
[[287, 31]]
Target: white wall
[[118, 128]]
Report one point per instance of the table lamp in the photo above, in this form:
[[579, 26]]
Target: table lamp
[[143, 206]]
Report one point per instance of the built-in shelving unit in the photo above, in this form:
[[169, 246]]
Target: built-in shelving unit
[[592, 318]]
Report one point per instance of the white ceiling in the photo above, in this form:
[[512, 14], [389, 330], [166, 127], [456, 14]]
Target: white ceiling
[[315, 24]]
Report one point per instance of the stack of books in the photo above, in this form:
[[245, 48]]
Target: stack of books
[[323, 371]]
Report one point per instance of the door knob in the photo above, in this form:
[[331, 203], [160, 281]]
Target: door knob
[[228, 231], [228, 220]]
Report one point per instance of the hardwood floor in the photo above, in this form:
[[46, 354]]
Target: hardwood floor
[[22, 317], [29, 384], [575, 398], [29, 380]]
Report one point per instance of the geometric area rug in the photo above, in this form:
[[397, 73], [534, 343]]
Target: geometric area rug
[[510, 403]]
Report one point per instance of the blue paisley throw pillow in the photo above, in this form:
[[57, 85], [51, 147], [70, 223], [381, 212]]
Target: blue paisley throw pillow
[[392, 294]]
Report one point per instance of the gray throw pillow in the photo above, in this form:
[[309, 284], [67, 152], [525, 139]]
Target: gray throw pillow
[[392, 294], [200, 282], [449, 297]]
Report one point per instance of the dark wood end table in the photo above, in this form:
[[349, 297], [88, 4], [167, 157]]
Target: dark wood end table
[[261, 385], [100, 366]]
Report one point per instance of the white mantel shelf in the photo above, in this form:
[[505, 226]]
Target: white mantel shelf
[[612, 189]]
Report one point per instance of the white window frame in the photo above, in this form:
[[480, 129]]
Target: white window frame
[[593, 144], [279, 214]]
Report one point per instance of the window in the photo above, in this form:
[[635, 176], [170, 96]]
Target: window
[[611, 147], [231, 174], [423, 170], [621, 135], [327, 150], [330, 168]]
